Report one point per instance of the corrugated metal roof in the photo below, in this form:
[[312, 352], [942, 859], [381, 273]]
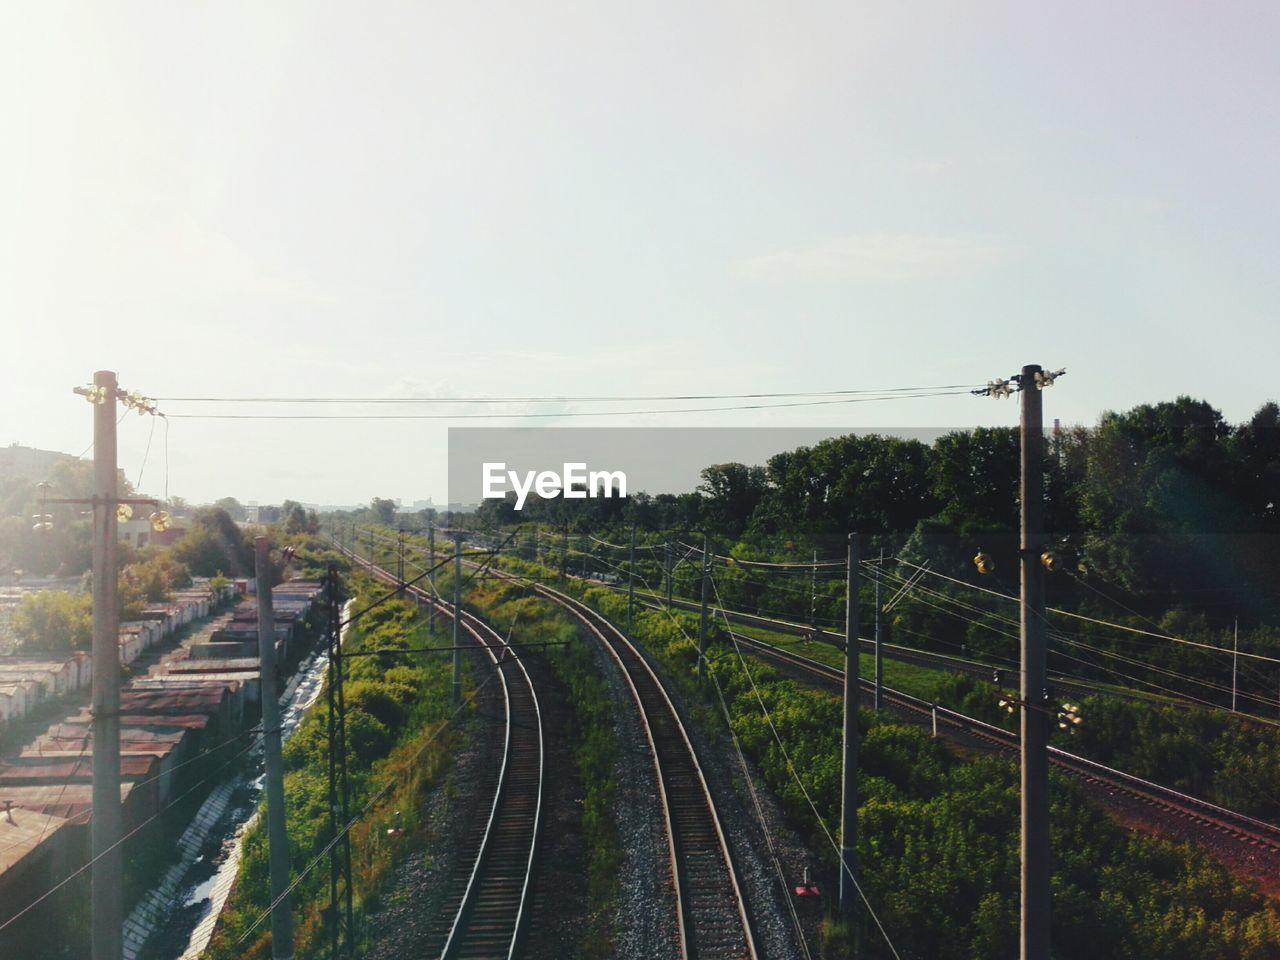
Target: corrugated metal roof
[[71, 801], [28, 769], [22, 831]]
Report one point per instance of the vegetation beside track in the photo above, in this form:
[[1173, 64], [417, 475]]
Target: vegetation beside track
[[590, 728], [398, 741], [1231, 760], [938, 838]]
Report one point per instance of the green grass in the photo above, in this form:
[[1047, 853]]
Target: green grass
[[908, 677], [398, 742]]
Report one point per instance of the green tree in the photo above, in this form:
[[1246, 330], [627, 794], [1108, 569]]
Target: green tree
[[214, 544], [731, 492], [232, 507], [383, 510], [54, 621]]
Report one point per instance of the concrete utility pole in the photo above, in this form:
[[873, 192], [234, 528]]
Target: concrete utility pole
[[879, 661], [849, 791], [400, 558], [277, 836], [431, 576], [813, 592], [457, 619], [702, 622], [564, 554], [666, 569], [631, 581], [107, 906], [1235, 659], [1032, 692]]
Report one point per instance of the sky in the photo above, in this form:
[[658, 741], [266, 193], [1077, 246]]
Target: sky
[[598, 199]]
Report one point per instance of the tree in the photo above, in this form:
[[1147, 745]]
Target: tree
[[232, 507], [54, 621], [297, 519], [383, 510], [1156, 498], [731, 493], [214, 544]]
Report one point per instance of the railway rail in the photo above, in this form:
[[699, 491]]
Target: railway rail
[[486, 912], [893, 651], [1225, 822], [711, 912]]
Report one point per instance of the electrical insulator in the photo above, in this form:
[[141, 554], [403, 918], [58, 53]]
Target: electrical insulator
[[1050, 561], [997, 677], [1069, 718], [160, 521], [43, 522], [984, 563], [124, 513], [1045, 379], [1007, 705]]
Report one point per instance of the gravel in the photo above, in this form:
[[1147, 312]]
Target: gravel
[[402, 927], [772, 926], [646, 918]]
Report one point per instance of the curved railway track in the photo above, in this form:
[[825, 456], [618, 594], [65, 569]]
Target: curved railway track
[[711, 911], [1228, 823], [486, 912], [893, 651]]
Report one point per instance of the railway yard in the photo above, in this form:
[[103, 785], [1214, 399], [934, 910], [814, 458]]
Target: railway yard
[[721, 892], [710, 862]]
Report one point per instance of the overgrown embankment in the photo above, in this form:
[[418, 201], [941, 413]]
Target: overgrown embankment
[[938, 840], [590, 732], [399, 742]]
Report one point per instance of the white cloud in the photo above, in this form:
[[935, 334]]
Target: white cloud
[[877, 258]]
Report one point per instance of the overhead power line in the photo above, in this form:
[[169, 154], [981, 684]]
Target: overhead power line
[[1262, 658], [550, 414], [635, 398]]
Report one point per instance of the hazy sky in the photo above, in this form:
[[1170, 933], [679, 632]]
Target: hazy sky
[[383, 199]]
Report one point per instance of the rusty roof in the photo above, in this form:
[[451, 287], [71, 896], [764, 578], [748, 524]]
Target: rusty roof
[[70, 801], [22, 831]]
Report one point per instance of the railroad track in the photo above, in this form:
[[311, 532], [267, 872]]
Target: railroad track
[[486, 911], [711, 912], [890, 651], [1227, 823]]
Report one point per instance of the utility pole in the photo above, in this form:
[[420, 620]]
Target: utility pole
[[564, 554], [813, 592], [107, 906], [339, 788], [849, 791], [631, 581], [1235, 658], [400, 558], [277, 837], [666, 569], [457, 619], [702, 622], [431, 577], [1035, 718], [879, 661]]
